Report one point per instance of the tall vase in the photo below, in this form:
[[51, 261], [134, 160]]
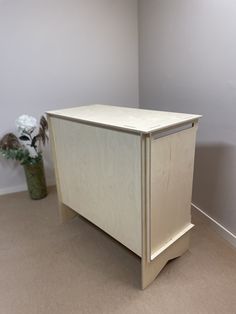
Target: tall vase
[[35, 179]]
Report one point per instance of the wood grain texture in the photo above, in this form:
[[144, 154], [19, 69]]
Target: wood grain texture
[[65, 212], [99, 172], [171, 175], [129, 119], [167, 170]]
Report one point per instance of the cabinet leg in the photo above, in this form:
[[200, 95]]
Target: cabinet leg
[[150, 270], [66, 213]]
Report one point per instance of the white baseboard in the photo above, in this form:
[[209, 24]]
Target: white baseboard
[[224, 232], [20, 188], [13, 189]]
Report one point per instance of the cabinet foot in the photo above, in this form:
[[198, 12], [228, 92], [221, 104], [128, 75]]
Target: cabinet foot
[[150, 270]]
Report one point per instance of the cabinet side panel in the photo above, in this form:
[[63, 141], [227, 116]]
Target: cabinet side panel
[[172, 160], [100, 177]]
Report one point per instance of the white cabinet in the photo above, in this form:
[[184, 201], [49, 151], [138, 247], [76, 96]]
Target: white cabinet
[[128, 171]]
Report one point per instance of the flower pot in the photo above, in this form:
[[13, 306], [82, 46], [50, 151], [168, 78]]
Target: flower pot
[[35, 179]]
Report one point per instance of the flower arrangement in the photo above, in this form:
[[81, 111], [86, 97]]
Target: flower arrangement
[[27, 147]]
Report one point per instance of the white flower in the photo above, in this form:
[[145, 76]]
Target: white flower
[[26, 123], [32, 151]]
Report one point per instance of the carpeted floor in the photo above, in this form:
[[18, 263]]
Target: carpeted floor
[[49, 268]]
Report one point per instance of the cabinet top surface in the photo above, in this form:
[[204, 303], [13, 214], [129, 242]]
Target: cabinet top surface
[[130, 119]]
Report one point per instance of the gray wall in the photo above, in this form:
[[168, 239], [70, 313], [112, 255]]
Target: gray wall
[[59, 53], [63, 53], [188, 64]]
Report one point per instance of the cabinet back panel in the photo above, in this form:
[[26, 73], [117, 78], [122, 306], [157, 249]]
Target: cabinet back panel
[[99, 174]]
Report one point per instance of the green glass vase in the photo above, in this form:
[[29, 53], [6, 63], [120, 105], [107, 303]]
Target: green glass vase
[[35, 179]]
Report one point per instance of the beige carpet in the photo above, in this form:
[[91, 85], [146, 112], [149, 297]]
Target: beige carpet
[[49, 268]]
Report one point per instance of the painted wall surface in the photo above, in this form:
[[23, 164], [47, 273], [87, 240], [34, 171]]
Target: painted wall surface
[[188, 64], [64, 53]]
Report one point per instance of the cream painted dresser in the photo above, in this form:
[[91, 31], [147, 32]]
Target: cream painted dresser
[[128, 171]]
